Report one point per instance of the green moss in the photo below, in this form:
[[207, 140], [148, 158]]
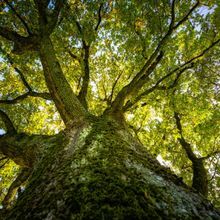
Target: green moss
[[104, 174]]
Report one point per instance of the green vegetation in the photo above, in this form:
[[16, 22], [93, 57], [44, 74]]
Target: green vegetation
[[92, 92]]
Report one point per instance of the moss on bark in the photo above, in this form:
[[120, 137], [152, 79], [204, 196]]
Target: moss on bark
[[101, 172]]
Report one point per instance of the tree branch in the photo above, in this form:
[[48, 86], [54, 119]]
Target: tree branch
[[86, 76], [166, 36], [199, 181], [172, 14], [67, 103], [41, 7], [75, 57], [133, 86], [55, 15], [99, 17], [18, 71], [11, 35], [182, 68], [19, 17], [24, 149], [186, 16], [113, 87], [21, 43], [20, 98], [8, 123], [137, 82]]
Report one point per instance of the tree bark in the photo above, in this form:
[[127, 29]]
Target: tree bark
[[99, 171], [66, 101]]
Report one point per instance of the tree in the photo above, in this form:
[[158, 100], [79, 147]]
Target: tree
[[72, 78]]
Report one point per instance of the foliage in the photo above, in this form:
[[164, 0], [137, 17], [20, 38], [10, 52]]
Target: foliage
[[121, 37]]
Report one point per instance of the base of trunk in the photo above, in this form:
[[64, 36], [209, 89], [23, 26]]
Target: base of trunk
[[101, 172]]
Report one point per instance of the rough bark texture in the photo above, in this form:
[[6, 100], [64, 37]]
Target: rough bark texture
[[98, 171]]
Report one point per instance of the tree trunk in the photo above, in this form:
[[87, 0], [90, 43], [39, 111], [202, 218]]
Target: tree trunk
[[99, 171]]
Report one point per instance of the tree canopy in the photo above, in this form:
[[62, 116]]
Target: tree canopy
[[155, 62]]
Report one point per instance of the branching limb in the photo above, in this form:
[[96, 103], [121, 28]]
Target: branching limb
[[171, 29], [152, 62], [185, 18], [42, 8], [133, 86], [19, 181], [25, 150], [179, 70], [21, 43], [8, 123], [11, 35], [30, 92], [19, 17]]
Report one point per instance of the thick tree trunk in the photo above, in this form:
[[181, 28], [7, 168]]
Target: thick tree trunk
[[98, 171]]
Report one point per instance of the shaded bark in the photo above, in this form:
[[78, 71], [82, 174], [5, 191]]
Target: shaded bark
[[25, 150], [99, 171]]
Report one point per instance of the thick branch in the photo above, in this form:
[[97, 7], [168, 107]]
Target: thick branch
[[42, 7], [133, 86], [47, 19], [65, 100], [53, 18], [8, 123]]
